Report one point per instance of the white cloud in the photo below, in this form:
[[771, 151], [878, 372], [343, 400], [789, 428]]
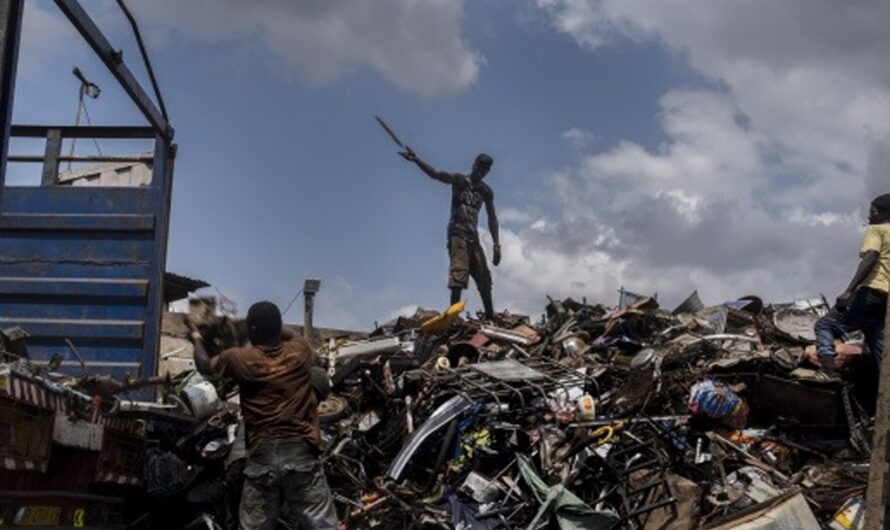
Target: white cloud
[[514, 215], [819, 91], [761, 184], [706, 210], [418, 46], [577, 136]]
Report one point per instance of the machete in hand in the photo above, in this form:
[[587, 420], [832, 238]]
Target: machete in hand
[[390, 132]]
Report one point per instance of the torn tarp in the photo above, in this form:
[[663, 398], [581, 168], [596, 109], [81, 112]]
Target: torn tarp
[[571, 512]]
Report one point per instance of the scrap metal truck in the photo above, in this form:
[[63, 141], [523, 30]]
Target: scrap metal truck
[[81, 271]]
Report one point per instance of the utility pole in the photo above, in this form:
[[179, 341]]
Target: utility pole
[[310, 289], [87, 88], [876, 516]]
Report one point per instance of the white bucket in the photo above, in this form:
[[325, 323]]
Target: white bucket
[[203, 399]]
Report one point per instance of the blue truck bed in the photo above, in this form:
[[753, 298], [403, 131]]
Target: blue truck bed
[[84, 264]]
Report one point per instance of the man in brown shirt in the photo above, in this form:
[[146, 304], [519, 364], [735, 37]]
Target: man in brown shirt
[[281, 423]]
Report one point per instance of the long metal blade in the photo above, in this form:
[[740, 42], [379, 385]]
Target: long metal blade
[[389, 131]]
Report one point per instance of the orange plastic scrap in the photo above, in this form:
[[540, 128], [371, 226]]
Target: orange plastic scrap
[[440, 323], [369, 501]]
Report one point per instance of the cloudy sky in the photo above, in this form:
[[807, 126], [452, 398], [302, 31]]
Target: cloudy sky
[[727, 146]]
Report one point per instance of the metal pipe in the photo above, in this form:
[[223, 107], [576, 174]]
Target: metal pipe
[[505, 334], [148, 68]]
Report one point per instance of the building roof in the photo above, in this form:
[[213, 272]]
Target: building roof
[[177, 287]]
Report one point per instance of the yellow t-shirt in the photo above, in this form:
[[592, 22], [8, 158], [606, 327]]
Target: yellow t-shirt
[[877, 238]]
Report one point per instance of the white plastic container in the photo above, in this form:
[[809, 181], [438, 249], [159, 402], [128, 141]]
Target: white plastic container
[[203, 399]]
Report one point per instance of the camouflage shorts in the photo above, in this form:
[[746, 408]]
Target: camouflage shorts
[[467, 259]]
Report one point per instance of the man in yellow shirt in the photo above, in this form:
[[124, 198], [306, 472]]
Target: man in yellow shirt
[[863, 305]]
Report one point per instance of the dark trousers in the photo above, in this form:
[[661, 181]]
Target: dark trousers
[[289, 471], [865, 314]]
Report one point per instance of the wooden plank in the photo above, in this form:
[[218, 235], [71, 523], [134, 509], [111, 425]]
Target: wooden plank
[[875, 495]]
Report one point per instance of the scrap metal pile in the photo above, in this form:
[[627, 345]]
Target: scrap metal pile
[[586, 418], [596, 418]]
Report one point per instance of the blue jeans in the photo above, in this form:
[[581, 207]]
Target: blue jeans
[[866, 314], [289, 471]]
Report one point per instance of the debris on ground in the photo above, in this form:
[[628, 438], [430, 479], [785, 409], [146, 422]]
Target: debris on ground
[[587, 418]]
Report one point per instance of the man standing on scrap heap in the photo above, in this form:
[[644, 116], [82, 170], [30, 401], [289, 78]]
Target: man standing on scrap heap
[[863, 305], [468, 194], [280, 412]]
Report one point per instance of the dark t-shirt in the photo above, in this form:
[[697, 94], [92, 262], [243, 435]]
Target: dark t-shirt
[[277, 399], [467, 199]]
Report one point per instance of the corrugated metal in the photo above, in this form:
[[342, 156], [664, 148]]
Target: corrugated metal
[[86, 264]]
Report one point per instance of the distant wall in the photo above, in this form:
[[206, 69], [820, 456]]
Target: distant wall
[[111, 175]]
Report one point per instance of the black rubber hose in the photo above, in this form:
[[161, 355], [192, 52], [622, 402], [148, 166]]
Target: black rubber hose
[[450, 434]]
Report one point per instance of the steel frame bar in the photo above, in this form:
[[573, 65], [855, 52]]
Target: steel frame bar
[[10, 36], [85, 131], [162, 187], [50, 174], [114, 62], [39, 159]]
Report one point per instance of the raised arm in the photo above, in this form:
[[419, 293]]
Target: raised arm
[[203, 362], [409, 155], [493, 228]]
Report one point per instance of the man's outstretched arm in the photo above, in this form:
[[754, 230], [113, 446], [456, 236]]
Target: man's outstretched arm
[[493, 228], [203, 362], [866, 265], [409, 155]]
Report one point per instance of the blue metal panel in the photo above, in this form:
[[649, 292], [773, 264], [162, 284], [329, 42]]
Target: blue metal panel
[[73, 307], [69, 221], [77, 329], [54, 269], [86, 265], [80, 287], [87, 248], [105, 351], [162, 188], [78, 200]]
